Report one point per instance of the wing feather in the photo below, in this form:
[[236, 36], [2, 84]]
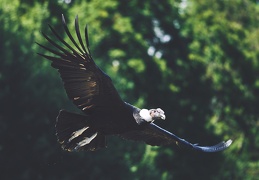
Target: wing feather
[[79, 35], [85, 83], [70, 36], [157, 136]]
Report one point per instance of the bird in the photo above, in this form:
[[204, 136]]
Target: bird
[[104, 113]]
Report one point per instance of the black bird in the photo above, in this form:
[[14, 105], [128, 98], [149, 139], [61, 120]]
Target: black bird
[[105, 113]]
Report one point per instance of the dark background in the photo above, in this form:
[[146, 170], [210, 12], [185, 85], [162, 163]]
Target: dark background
[[196, 59]]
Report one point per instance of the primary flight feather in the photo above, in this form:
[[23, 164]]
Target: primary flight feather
[[105, 113]]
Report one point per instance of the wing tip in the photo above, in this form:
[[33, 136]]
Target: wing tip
[[228, 143], [219, 147]]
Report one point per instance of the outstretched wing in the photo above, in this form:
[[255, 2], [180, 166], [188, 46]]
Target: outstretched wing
[[156, 136], [85, 83]]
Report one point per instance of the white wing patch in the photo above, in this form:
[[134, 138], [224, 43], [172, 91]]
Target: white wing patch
[[86, 141], [77, 133]]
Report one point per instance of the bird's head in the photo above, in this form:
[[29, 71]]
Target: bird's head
[[152, 114]]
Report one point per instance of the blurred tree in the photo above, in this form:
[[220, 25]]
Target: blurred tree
[[197, 60], [224, 39]]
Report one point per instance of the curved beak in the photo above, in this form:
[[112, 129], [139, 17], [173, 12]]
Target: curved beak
[[163, 117]]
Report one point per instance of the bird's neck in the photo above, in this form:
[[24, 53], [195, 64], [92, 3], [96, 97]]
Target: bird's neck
[[145, 115]]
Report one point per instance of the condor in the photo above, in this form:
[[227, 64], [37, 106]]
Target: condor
[[105, 113]]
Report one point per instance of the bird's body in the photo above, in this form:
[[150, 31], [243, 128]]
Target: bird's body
[[105, 113], [113, 121]]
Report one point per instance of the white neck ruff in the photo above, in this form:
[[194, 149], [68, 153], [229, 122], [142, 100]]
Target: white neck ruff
[[144, 113]]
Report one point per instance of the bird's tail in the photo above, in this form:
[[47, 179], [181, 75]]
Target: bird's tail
[[75, 133]]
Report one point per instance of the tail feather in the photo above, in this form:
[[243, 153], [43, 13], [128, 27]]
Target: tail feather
[[75, 133]]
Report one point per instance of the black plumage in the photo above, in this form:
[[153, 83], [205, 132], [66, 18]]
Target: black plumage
[[105, 113]]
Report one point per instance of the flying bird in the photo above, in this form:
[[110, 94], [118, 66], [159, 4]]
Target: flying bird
[[105, 113]]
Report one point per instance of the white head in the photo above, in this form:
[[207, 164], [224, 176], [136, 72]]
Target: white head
[[152, 114]]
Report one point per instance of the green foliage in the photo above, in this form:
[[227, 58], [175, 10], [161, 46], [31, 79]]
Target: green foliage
[[197, 60]]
